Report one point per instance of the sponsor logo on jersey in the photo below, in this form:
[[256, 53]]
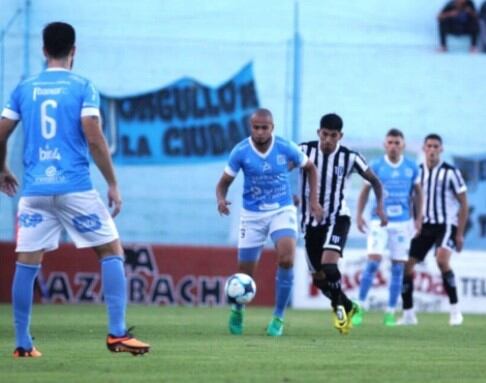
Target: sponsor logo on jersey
[[87, 223], [51, 171], [266, 167], [29, 220], [37, 91], [46, 154]]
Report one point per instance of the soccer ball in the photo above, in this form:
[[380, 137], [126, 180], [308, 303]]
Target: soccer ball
[[240, 288]]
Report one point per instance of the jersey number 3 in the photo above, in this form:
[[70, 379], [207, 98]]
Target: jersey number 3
[[48, 123]]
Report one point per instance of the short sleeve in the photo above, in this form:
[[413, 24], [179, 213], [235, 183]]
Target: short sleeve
[[296, 154], [360, 165], [234, 163], [91, 101], [457, 182], [12, 108]]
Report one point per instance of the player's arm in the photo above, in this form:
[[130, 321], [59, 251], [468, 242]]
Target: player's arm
[[221, 191], [102, 158], [417, 202], [8, 182], [375, 183], [462, 219], [362, 201], [316, 208]]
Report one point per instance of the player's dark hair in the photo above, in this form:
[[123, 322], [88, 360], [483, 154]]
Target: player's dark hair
[[433, 136], [394, 132], [58, 39], [331, 121]]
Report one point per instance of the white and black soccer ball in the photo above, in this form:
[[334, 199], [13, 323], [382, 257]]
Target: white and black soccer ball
[[240, 288]]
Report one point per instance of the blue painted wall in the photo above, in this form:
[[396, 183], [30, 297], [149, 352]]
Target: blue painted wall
[[372, 61]]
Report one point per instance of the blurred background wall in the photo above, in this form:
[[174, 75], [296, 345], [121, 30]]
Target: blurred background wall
[[374, 62]]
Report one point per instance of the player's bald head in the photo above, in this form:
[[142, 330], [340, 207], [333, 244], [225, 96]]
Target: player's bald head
[[262, 114]]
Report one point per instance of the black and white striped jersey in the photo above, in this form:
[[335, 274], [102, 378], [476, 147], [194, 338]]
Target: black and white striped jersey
[[441, 185], [333, 171]]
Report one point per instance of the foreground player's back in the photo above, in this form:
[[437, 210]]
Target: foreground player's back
[[51, 105]]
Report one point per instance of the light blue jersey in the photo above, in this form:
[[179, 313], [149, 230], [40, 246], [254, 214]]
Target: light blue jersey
[[398, 181], [50, 106], [266, 183]]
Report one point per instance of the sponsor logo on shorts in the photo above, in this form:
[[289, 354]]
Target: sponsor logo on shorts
[[30, 220], [335, 238], [87, 223]]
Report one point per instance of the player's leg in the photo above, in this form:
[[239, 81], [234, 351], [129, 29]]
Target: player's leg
[[398, 244], [419, 247], [314, 240], [253, 234], [283, 231], [38, 231], [89, 224], [26, 270], [247, 263], [344, 308], [376, 242], [443, 256]]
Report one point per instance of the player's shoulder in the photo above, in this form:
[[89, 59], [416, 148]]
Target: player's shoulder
[[448, 166], [409, 162], [242, 145]]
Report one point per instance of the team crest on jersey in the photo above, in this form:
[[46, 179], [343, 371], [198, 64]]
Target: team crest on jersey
[[280, 159], [408, 172], [266, 167], [339, 170]]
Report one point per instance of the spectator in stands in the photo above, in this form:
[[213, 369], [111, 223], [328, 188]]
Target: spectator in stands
[[482, 26], [458, 17]]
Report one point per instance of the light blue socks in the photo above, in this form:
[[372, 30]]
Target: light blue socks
[[115, 293], [284, 282], [367, 279], [397, 269], [22, 295]]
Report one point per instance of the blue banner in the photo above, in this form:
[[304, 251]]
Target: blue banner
[[185, 122]]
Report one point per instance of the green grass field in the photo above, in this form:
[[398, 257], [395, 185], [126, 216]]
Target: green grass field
[[192, 345]]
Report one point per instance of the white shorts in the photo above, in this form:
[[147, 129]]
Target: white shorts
[[254, 230], [40, 220], [395, 237]]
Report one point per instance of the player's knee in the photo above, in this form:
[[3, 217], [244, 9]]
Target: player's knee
[[331, 271], [109, 249], [286, 262]]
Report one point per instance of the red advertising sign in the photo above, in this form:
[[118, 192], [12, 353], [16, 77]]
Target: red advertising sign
[[168, 275]]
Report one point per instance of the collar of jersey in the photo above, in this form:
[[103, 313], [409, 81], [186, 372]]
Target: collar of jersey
[[435, 167], [260, 154], [57, 69], [387, 160], [338, 145]]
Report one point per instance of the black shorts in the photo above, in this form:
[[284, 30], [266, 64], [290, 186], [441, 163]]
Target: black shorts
[[440, 235], [325, 237]]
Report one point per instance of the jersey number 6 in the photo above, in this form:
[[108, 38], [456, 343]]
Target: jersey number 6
[[48, 123]]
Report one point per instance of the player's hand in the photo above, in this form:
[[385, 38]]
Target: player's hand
[[380, 212], [114, 200], [223, 207], [8, 183], [317, 211], [459, 242], [361, 223]]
